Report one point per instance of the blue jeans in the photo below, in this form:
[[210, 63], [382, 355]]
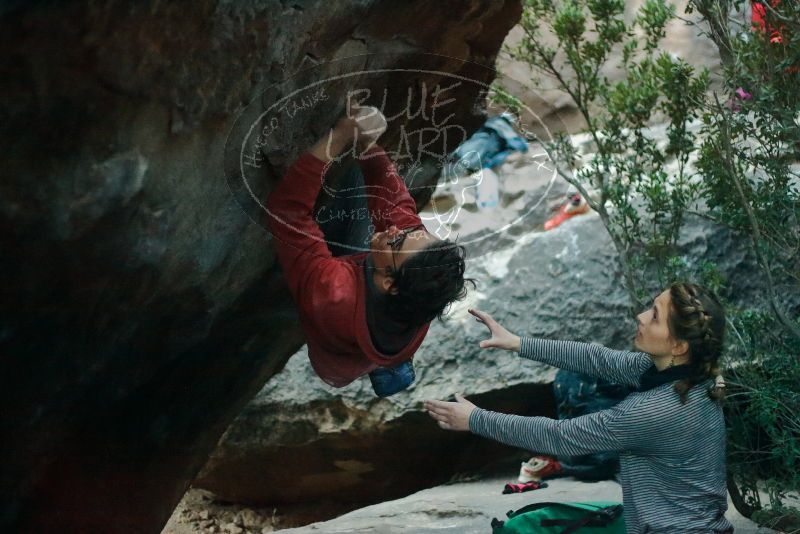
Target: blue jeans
[[387, 381], [351, 230], [578, 395]]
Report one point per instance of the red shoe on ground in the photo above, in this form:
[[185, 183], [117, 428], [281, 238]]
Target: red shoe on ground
[[539, 468], [572, 207]]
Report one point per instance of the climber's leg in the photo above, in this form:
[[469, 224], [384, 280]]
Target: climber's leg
[[344, 217]]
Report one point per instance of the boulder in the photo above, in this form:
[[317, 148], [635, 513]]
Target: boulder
[[142, 306]]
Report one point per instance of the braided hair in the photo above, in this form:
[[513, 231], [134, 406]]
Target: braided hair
[[428, 282], [697, 317]]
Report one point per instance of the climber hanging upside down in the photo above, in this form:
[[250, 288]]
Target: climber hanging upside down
[[365, 313]]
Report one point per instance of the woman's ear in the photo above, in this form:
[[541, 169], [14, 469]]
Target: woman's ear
[[680, 348]]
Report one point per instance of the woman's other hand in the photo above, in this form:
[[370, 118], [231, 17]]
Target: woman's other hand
[[501, 338], [451, 415]]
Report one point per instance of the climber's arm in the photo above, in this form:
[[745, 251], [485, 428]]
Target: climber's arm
[[299, 242]]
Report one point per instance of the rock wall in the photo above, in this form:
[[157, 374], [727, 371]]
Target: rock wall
[[142, 306]]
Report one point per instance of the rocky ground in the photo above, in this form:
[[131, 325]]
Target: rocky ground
[[200, 512], [462, 507], [468, 507]]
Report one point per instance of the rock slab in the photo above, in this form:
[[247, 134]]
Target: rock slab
[[469, 507]]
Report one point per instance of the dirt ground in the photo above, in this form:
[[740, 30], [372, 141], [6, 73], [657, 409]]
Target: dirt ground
[[199, 512]]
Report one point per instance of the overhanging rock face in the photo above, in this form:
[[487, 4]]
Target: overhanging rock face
[[141, 304]]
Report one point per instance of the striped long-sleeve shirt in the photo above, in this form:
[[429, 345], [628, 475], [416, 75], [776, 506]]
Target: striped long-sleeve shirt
[[672, 456]]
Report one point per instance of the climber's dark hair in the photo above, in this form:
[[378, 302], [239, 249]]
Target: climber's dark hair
[[697, 317], [428, 282]]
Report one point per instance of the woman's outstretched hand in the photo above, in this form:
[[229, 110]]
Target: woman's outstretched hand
[[501, 338], [451, 415]]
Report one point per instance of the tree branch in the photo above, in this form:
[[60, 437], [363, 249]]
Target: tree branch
[[755, 232]]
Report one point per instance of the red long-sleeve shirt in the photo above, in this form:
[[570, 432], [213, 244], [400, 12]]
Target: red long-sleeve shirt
[[330, 291]]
